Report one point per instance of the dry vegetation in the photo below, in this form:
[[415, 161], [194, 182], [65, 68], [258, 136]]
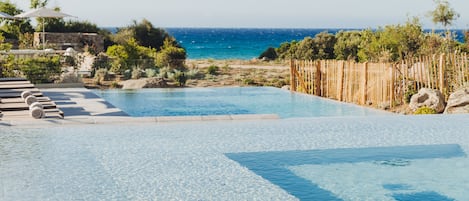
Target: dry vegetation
[[227, 73]]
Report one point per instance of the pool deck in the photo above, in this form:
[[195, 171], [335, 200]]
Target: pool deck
[[82, 106]]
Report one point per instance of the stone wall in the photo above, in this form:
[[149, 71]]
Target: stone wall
[[61, 41]]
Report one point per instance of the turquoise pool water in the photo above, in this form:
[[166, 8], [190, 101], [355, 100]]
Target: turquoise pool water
[[344, 174], [228, 101], [385, 158]]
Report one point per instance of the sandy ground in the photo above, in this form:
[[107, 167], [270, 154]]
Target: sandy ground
[[230, 73]]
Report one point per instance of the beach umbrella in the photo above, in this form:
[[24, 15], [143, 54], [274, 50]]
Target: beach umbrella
[[43, 12], [5, 16]]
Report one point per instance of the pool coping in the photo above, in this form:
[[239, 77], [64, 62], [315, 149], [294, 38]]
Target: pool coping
[[83, 120]]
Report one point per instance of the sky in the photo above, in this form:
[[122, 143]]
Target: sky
[[255, 13]]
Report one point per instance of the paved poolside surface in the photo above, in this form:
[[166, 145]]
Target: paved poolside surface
[[98, 153]]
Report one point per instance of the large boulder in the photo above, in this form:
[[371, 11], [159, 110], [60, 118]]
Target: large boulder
[[458, 102], [144, 83], [428, 98]]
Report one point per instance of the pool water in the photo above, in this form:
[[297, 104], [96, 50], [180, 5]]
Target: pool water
[[228, 101], [385, 173], [418, 158]]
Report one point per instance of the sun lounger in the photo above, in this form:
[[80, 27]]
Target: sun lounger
[[16, 86], [16, 94], [48, 113], [12, 79], [20, 100], [23, 106], [15, 102], [16, 90], [14, 82]]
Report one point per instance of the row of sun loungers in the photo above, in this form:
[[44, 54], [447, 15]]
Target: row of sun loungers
[[19, 98]]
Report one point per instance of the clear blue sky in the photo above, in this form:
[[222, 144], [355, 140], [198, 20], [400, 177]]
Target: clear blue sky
[[255, 13]]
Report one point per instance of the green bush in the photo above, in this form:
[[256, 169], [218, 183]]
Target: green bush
[[249, 81], [172, 57], [180, 78], [137, 73], [194, 74], [127, 74], [151, 72], [269, 54], [101, 75], [41, 69], [115, 85], [101, 61], [425, 110], [213, 70], [408, 95]]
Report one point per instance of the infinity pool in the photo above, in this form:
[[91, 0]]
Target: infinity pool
[[418, 158], [228, 101]]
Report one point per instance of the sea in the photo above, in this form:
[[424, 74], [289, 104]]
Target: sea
[[244, 43]]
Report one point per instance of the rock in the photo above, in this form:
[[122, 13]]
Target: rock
[[458, 102], [144, 83], [155, 83], [384, 106], [286, 87], [428, 98]]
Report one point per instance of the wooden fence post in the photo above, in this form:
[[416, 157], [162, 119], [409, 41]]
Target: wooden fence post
[[441, 74], [340, 81], [364, 83], [292, 75], [393, 79], [318, 79]]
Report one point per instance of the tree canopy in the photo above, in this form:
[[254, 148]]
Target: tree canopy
[[443, 13], [389, 44]]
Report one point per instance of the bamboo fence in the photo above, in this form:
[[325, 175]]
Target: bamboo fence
[[379, 83]]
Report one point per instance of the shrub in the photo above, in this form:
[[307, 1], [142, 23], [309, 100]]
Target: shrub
[[164, 72], [151, 72], [41, 69], [171, 56], [425, 110], [115, 85], [127, 74], [101, 75], [194, 74], [213, 70], [101, 61], [249, 81], [408, 95], [180, 78], [269, 54], [137, 73]]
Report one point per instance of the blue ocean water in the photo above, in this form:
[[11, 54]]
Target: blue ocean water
[[243, 43], [236, 43]]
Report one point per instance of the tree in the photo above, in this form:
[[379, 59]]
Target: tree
[[324, 45], [269, 54], [13, 28], [38, 3], [145, 34], [443, 13], [171, 56], [347, 45]]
